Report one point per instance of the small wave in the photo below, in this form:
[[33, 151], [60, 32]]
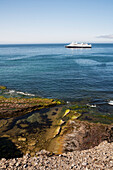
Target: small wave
[[87, 62], [19, 58], [25, 94], [93, 105], [13, 92], [109, 63], [10, 92]]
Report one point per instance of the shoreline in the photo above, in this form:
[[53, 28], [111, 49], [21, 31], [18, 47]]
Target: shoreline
[[62, 127], [99, 157]]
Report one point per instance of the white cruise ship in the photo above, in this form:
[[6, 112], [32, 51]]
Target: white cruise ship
[[78, 45]]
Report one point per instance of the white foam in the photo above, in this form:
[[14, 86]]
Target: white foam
[[87, 62], [93, 105], [25, 94], [19, 58], [110, 102], [11, 91]]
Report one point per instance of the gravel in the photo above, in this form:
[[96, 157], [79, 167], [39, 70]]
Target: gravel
[[97, 158]]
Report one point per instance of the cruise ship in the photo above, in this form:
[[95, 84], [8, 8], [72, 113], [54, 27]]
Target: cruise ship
[[78, 45]]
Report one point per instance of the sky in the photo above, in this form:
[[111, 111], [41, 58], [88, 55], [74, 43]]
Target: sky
[[56, 21]]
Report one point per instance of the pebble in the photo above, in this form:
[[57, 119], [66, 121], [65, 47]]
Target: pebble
[[84, 163], [99, 157]]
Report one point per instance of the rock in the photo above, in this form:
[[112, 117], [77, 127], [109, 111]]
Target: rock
[[57, 131], [31, 147], [24, 125], [17, 164], [27, 152], [19, 147], [32, 143], [25, 166], [21, 139], [5, 136], [75, 116], [85, 135], [66, 112], [3, 122], [84, 163], [43, 152], [60, 122], [32, 153]]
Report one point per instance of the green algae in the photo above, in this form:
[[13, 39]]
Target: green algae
[[49, 126], [66, 112], [73, 107], [76, 116], [11, 107], [86, 113], [97, 118], [2, 88]]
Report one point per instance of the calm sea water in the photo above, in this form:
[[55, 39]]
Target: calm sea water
[[51, 70]]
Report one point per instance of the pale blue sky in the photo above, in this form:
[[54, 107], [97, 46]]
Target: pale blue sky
[[56, 21]]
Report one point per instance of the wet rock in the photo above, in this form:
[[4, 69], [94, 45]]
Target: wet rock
[[14, 107], [75, 116], [31, 147], [21, 139], [60, 122], [66, 112], [32, 143], [24, 125], [3, 122], [57, 131], [5, 136]]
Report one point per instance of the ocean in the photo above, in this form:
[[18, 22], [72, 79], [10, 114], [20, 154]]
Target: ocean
[[53, 71]]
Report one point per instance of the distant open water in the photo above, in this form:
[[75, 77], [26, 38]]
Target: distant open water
[[51, 70]]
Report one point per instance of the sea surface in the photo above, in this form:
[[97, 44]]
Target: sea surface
[[53, 71]]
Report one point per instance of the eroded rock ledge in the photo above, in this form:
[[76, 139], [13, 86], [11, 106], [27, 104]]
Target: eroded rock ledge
[[13, 107]]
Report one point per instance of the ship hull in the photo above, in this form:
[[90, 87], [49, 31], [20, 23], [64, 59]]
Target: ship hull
[[77, 46]]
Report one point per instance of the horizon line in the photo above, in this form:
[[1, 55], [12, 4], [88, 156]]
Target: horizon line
[[50, 43]]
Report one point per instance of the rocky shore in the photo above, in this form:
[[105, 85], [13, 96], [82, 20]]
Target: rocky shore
[[13, 107], [99, 157], [76, 136]]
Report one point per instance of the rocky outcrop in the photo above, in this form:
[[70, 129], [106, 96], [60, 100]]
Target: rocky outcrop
[[14, 107], [85, 135]]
